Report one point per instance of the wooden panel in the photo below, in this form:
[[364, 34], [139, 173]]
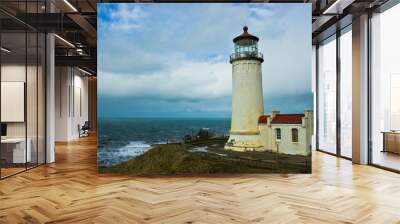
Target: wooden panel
[[92, 100], [76, 120], [392, 142]]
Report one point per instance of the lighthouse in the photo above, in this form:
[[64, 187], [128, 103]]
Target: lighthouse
[[247, 94], [251, 130]]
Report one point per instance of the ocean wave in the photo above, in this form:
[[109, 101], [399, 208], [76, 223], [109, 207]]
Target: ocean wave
[[159, 143], [112, 156], [137, 144]]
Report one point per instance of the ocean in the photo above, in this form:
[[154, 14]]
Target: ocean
[[120, 139]]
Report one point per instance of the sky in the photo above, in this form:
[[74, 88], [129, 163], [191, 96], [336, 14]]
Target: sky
[[172, 60]]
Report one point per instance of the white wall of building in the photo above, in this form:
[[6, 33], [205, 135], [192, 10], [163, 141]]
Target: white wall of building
[[266, 135], [247, 98], [285, 145], [247, 105]]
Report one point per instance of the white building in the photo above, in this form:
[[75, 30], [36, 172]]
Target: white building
[[287, 133], [251, 130]]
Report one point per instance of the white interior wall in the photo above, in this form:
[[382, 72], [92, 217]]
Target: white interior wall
[[71, 102], [14, 73], [17, 73], [33, 126], [62, 80]]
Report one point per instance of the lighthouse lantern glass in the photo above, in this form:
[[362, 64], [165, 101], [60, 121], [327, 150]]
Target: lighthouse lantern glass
[[246, 46]]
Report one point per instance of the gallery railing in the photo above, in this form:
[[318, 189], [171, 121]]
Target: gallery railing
[[247, 55]]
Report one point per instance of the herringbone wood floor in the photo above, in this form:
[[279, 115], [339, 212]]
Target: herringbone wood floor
[[71, 191]]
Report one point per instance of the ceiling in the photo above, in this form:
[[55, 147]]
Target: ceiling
[[332, 15], [75, 23]]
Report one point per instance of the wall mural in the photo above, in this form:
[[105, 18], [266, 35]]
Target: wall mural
[[204, 88]]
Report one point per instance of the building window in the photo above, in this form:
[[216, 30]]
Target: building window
[[278, 134], [295, 135]]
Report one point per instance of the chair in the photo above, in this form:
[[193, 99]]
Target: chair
[[84, 130]]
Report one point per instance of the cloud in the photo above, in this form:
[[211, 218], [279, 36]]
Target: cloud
[[180, 52], [124, 17], [189, 80]]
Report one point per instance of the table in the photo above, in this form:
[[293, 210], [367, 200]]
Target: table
[[15, 148]]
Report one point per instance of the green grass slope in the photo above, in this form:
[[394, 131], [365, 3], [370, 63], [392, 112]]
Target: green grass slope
[[169, 159]]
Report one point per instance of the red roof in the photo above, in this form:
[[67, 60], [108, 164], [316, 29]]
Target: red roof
[[245, 35], [263, 119], [287, 119], [282, 119]]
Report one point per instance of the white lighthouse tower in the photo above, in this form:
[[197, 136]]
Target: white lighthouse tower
[[247, 94]]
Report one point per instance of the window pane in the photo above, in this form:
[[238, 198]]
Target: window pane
[[13, 86], [31, 100], [295, 135], [22, 90], [278, 133], [327, 96], [385, 89], [41, 98], [346, 94]]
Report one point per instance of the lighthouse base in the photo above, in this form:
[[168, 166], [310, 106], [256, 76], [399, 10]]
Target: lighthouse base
[[244, 142]]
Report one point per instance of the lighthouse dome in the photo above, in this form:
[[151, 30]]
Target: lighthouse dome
[[245, 36]]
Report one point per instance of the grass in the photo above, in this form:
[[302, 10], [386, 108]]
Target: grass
[[175, 158]]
